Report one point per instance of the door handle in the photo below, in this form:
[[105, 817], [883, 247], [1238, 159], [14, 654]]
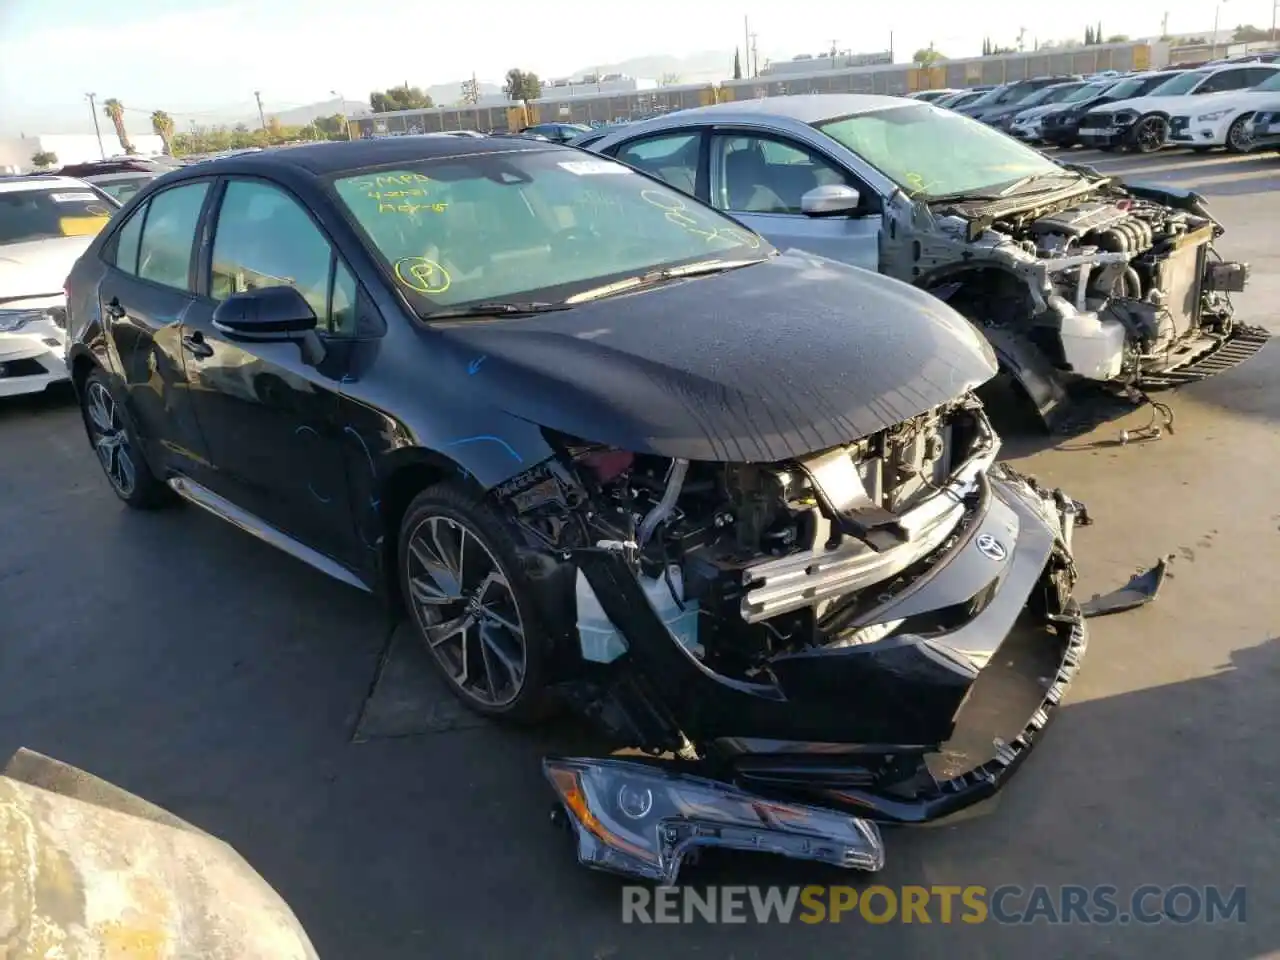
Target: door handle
[[196, 345], [114, 310]]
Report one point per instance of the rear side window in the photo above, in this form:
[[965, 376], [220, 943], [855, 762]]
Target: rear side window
[[62, 211], [127, 241], [169, 235]]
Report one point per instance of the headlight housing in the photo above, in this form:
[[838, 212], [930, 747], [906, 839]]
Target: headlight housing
[[640, 820], [14, 320], [1215, 115], [1125, 117]]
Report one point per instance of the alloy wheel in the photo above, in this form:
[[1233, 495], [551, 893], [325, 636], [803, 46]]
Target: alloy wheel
[[111, 439], [466, 611], [1151, 134], [1238, 136]]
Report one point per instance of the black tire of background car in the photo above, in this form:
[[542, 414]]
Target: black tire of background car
[[1238, 134], [147, 492], [1150, 134], [451, 502]]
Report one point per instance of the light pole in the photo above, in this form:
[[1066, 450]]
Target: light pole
[[1217, 9], [346, 127], [93, 109]]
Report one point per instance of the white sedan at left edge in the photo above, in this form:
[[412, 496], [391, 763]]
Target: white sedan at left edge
[[46, 222]]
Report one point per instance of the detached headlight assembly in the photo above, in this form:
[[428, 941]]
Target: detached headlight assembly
[[1216, 115], [14, 320], [641, 821]]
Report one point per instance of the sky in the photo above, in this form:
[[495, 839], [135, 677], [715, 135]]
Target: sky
[[194, 57]]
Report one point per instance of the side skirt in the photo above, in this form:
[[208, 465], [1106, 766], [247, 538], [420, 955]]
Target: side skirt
[[224, 509]]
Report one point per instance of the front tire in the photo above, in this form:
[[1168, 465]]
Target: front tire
[[115, 441], [1150, 134], [472, 604], [1238, 140]]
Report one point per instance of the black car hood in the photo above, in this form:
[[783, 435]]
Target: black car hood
[[761, 363]]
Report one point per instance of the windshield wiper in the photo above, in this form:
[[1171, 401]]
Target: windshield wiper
[[1003, 192], [1037, 178], [659, 276], [495, 308]]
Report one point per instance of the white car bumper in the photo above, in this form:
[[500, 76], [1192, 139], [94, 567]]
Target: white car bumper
[[34, 355]]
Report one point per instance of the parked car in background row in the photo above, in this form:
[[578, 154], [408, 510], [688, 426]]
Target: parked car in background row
[[1070, 275], [1221, 119], [1007, 95], [1060, 126], [1002, 117], [1142, 123], [933, 96], [556, 132], [958, 100], [46, 222], [1027, 123], [1264, 128], [121, 177], [606, 445]]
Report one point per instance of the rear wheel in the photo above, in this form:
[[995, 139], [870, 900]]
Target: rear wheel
[[472, 605], [116, 443], [1238, 140], [1150, 134]]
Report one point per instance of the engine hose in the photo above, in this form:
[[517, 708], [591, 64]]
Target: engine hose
[[1133, 282], [663, 508]]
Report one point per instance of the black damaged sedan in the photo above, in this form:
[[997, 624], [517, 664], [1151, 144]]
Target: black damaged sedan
[[607, 449]]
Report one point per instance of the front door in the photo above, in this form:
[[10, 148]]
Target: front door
[[144, 295], [271, 417], [760, 180]]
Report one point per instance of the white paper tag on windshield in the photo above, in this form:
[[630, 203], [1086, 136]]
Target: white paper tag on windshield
[[73, 198], [586, 168]]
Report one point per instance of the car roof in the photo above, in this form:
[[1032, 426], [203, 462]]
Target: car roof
[[39, 181], [338, 155], [804, 107]]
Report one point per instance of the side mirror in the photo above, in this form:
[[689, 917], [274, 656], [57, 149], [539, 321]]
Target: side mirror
[[830, 200], [268, 313]]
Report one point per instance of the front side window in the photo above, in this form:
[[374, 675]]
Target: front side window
[[54, 211], [1179, 84], [762, 175], [169, 235], [539, 224], [931, 152], [1224, 81], [672, 158]]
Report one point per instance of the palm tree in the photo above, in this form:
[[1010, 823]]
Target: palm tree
[[114, 110], [162, 124]]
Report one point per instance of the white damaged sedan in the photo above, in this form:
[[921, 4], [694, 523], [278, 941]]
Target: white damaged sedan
[[46, 222]]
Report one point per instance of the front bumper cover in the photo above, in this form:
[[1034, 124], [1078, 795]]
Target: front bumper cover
[[960, 707]]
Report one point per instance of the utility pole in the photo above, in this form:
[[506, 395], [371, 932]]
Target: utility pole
[[834, 49], [755, 58], [257, 95], [746, 46], [93, 110], [1274, 5], [1164, 24]]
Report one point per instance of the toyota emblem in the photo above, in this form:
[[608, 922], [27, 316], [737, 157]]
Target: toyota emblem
[[990, 547]]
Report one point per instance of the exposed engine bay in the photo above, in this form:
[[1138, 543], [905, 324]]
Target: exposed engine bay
[[1114, 285], [731, 554]]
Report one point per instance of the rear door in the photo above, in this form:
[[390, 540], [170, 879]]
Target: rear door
[[143, 295], [271, 418], [759, 178]]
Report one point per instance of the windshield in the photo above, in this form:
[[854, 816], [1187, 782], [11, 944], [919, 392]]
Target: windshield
[[1046, 95], [930, 152], [1182, 83], [1271, 83], [497, 226], [54, 212], [1086, 92]]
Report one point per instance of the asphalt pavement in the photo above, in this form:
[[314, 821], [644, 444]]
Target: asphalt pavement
[[197, 667]]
